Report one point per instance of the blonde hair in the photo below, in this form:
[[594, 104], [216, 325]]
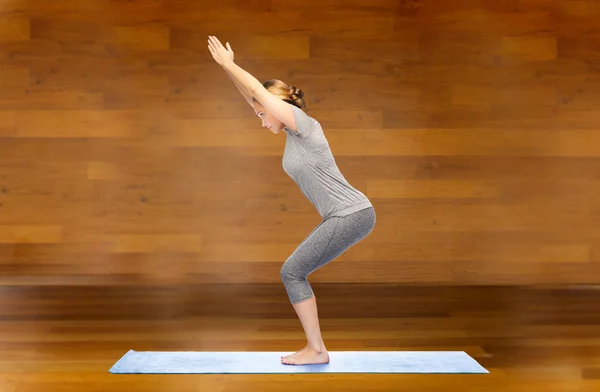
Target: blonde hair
[[290, 94]]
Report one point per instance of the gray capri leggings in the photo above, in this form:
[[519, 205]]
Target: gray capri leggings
[[332, 237]]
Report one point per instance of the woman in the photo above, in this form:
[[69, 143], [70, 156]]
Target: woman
[[348, 215]]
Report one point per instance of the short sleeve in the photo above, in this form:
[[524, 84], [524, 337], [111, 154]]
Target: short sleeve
[[304, 123]]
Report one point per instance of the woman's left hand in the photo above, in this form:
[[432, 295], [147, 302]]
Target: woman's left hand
[[219, 53]]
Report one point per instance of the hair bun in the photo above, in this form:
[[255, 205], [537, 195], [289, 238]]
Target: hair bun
[[296, 92]]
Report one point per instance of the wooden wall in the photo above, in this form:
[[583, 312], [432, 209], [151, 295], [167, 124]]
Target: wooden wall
[[127, 155]]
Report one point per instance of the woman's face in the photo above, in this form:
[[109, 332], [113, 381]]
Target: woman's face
[[268, 120]]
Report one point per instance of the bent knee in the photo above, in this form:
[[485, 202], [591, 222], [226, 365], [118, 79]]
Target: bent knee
[[285, 271], [290, 270]]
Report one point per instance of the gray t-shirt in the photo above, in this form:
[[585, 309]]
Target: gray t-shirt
[[308, 160]]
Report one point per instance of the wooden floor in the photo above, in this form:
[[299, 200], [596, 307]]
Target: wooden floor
[[66, 338]]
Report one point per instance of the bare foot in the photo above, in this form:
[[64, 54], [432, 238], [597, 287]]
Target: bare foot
[[296, 353], [308, 356]]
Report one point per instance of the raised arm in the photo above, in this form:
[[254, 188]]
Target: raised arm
[[247, 96], [249, 86], [278, 107], [224, 57]]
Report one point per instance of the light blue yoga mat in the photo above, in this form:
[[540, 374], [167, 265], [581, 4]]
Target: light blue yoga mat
[[204, 362]]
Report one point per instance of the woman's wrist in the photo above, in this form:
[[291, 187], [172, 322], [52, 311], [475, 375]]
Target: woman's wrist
[[227, 64]]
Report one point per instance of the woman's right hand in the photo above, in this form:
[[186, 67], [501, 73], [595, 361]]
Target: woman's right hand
[[219, 53]]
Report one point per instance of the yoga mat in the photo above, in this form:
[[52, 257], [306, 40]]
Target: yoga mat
[[204, 362]]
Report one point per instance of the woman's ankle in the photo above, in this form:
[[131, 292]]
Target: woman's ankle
[[317, 347]]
